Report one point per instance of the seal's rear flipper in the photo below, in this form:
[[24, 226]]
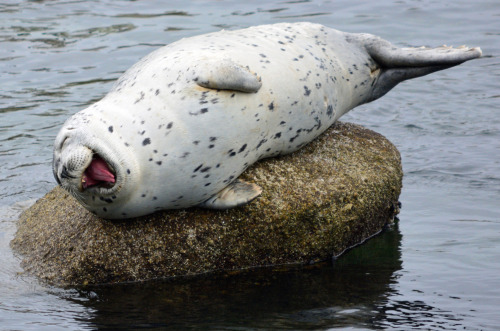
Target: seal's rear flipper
[[236, 194], [399, 64]]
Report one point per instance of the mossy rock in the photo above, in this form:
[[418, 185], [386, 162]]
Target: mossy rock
[[331, 195]]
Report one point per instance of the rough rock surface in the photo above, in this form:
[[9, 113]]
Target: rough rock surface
[[334, 193]]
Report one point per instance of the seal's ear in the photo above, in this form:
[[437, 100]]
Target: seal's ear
[[226, 75], [236, 194]]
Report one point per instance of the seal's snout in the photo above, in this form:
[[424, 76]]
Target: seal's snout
[[81, 168], [69, 164]]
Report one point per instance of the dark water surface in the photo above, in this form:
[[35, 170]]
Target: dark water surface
[[439, 268]]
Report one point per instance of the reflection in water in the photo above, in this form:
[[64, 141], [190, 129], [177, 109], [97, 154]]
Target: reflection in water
[[351, 291], [414, 314]]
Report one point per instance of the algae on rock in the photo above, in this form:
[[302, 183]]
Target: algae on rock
[[332, 194]]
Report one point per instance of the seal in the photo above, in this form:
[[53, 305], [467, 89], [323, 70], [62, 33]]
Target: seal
[[180, 126]]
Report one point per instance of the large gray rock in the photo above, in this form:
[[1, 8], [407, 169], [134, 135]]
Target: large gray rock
[[335, 193]]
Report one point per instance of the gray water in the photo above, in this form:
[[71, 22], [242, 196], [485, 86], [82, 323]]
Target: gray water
[[438, 268]]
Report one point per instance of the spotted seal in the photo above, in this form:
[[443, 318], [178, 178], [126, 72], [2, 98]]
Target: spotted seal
[[182, 124]]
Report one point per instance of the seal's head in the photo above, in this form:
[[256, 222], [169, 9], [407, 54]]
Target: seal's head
[[92, 169]]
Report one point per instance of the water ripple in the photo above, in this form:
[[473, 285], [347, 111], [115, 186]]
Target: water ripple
[[167, 13]]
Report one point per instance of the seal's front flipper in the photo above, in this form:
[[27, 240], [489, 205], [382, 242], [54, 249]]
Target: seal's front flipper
[[236, 194], [226, 75], [399, 64]]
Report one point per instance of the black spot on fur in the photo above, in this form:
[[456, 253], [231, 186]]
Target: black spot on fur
[[205, 169], [157, 92], [146, 141], [329, 110], [307, 91], [199, 112], [271, 106], [198, 167], [128, 171], [213, 138], [169, 125], [158, 162], [261, 142], [110, 129], [242, 148], [230, 178], [277, 135], [141, 97]]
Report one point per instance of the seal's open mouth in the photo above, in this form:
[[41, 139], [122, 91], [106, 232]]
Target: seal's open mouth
[[98, 173]]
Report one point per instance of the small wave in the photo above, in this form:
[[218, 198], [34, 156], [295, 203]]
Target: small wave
[[16, 108], [168, 13], [304, 15], [103, 31]]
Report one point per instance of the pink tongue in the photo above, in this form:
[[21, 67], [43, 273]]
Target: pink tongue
[[97, 172]]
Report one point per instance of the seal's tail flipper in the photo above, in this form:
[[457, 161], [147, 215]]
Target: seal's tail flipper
[[399, 64]]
